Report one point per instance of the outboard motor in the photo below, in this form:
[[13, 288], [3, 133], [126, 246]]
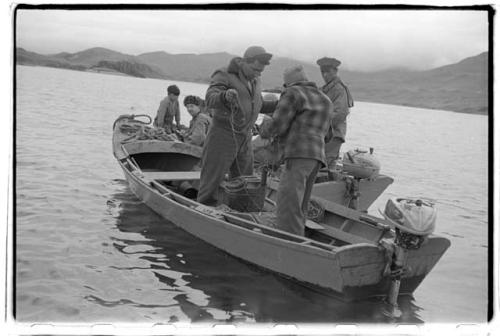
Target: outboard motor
[[356, 164], [361, 164], [414, 220]]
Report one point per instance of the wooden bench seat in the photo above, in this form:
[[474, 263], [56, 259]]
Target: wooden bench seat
[[172, 175]]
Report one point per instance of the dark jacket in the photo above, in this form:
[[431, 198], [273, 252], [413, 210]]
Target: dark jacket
[[198, 129], [243, 117], [167, 111], [342, 100]]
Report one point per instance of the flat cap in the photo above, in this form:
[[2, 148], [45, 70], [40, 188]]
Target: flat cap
[[328, 62], [259, 53]]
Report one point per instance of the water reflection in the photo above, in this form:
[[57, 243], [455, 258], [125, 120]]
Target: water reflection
[[211, 285]]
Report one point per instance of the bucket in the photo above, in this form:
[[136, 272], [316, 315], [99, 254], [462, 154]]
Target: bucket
[[244, 193]]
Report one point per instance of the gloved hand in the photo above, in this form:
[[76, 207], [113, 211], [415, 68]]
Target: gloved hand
[[231, 96], [266, 127]]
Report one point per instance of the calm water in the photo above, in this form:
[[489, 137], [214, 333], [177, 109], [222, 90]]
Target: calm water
[[89, 251]]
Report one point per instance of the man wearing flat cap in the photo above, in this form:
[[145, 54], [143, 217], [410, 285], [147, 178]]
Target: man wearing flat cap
[[342, 100], [301, 123], [234, 95]]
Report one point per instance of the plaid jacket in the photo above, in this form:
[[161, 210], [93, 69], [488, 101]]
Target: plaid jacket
[[301, 122]]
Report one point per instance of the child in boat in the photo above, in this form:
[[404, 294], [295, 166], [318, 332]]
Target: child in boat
[[168, 110], [199, 124]]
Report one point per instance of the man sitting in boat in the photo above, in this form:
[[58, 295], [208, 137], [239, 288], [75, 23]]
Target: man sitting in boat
[[168, 110], [301, 122], [199, 124]]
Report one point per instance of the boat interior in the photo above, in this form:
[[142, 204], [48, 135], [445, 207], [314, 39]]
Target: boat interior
[[177, 175]]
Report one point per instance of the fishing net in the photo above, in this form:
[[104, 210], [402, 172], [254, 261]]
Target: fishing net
[[143, 132], [315, 211]]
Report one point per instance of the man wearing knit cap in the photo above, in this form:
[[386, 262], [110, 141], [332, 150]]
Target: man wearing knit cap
[[301, 123], [341, 98], [234, 95], [168, 110], [199, 124]]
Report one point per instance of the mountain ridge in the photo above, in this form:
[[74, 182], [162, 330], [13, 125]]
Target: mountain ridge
[[459, 87]]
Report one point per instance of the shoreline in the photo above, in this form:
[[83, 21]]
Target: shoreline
[[107, 71]]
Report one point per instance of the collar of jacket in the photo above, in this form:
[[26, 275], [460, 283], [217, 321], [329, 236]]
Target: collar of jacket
[[302, 83], [196, 115], [235, 65], [332, 83]]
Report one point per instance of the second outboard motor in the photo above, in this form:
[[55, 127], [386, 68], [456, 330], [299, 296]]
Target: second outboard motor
[[413, 219]]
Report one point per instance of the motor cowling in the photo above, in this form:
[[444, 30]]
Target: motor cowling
[[360, 164], [414, 219]]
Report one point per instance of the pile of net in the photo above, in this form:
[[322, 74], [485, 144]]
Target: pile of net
[[143, 132], [315, 211]]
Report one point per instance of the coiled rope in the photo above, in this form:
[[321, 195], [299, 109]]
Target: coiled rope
[[132, 118]]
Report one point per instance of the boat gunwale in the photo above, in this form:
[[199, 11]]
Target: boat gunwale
[[326, 247]]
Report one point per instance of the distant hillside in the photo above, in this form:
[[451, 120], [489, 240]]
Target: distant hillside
[[130, 68], [93, 56], [460, 87], [91, 59], [186, 67], [30, 58]]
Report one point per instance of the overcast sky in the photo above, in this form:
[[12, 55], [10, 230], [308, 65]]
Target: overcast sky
[[362, 39]]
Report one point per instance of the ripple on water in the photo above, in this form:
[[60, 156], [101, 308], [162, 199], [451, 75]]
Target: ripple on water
[[89, 251]]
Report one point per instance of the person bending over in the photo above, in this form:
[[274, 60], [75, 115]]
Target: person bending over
[[301, 122]]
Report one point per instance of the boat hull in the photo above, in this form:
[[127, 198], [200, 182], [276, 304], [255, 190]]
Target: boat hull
[[351, 272]]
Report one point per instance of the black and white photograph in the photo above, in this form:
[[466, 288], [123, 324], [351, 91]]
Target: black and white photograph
[[251, 164]]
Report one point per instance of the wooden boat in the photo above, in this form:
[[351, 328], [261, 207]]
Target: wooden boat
[[347, 254]]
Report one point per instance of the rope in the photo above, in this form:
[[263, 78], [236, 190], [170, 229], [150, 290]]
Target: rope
[[132, 117], [234, 107]]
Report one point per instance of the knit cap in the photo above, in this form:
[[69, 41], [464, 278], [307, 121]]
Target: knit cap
[[195, 100], [294, 74]]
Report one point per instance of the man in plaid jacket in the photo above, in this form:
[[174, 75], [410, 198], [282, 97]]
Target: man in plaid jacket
[[301, 122]]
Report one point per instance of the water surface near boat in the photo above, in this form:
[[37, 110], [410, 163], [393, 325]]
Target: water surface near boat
[[89, 251]]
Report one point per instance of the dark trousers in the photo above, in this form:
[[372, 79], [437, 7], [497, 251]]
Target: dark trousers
[[294, 192], [332, 149], [223, 152]]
